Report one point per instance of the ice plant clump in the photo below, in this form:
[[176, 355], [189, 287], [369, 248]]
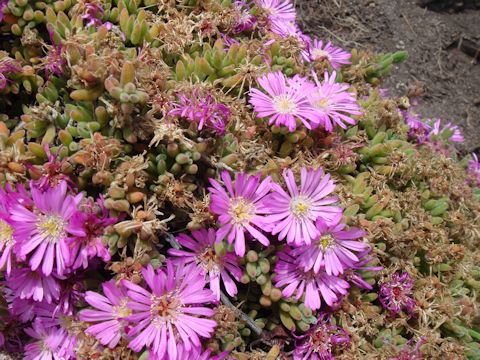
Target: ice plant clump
[[295, 281], [240, 209], [110, 310], [44, 232], [284, 104], [167, 314], [218, 266], [321, 341], [292, 215], [396, 293], [334, 104], [334, 249]]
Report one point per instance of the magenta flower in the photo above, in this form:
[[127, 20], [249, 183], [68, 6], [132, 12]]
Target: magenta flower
[[28, 284], [241, 209], [320, 341], [45, 231], [418, 130], [110, 310], [93, 218], [278, 10], [294, 280], [333, 250], [246, 21], [93, 14], [50, 344], [293, 214], [284, 104], [203, 110], [51, 172], [473, 170], [334, 104], [396, 293], [3, 6], [320, 51], [7, 65], [167, 314], [217, 267]]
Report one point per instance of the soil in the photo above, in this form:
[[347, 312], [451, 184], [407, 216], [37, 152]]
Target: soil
[[442, 38]]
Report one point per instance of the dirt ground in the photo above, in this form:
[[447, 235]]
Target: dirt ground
[[442, 39]]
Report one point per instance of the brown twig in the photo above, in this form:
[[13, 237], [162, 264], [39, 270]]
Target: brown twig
[[251, 324]]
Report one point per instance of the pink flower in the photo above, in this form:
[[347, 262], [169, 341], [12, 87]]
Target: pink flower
[[216, 265], [334, 103], [28, 284], [294, 280], [278, 10], [284, 104], [319, 342], [50, 344], [474, 170], [293, 214], [110, 310], [167, 314], [241, 209], [203, 110], [448, 132], [318, 51], [45, 231], [333, 250], [93, 218]]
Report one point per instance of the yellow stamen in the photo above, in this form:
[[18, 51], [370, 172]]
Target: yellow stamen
[[284, 105], [240, 210], [52, 228]]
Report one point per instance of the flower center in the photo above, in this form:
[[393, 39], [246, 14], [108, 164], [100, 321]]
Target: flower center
[[397, 292], [122, 310], [300, 206], [209, 260], [241, 210], [52, 227], [165, 309], [320, 54], [284, 105], [6, 233], [326, 241], [321, 103]]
